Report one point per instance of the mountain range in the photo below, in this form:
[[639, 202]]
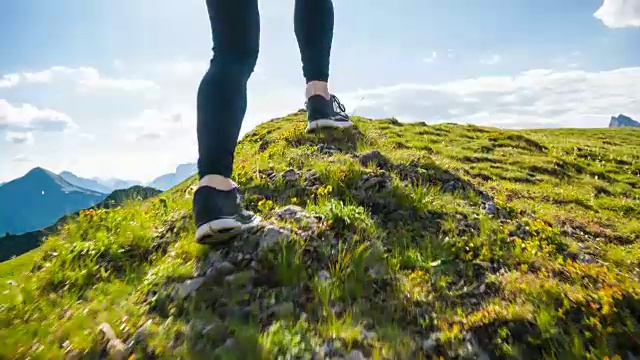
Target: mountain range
[[167, 181], [38, 199], [106, 186], [16, 245]]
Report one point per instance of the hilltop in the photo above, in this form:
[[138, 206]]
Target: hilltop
[[390, 241]]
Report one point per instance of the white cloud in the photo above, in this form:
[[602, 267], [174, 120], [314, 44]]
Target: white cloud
[[9, 80], [20, 137], [431, 58], [85, 78], [491, 60], [153, 124], [619, 13], [21, 159], [27, 118], [534, 98]]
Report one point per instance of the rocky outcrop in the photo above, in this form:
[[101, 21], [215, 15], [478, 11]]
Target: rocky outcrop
[[623, 121]]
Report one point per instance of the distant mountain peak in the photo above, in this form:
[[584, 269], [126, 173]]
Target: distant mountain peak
[[623, 121], [167, 181]]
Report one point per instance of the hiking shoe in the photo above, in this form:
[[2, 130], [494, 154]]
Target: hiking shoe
[[219, 215], [326, 113]]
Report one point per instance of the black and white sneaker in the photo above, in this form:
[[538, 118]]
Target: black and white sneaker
[[219, 215], [326, 113]]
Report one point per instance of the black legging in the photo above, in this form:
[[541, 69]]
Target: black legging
[[222, 95]]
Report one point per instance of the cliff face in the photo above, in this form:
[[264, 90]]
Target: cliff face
[[623, 121]]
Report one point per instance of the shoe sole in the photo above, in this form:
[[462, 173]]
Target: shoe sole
[[220, 230], [327, 124]]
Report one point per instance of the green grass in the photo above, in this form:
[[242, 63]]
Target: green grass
[[404, 250], [15, 268]]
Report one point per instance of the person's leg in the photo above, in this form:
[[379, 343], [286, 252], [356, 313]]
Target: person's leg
[[314, 22], [222, 95], [221, 107]]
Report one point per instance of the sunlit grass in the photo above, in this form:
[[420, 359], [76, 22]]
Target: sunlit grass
[[400, 254]]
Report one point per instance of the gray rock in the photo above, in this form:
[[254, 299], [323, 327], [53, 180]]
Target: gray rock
[[355, 355], [374, 157], [214, 259], [490, 208], [289, 212], [225, 268], [271, 236], [239, 279], [141, 335], [324, 275], [290, 175], [369, 336], [186, 288], [378, 272], [217, 331], [430, 344], [106, 331], [587, 259]]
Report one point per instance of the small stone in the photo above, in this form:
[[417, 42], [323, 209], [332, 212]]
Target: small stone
[[239, 279], [378, 272], [140, 335], [217, 331], [214, 259], [374, 157], [271, 236], [107, 331], [355, 355], [226, 347], [324, 275], [369, 336], [231, 342], [225, 268], [72, 354], [289, 212], [290, 175], [586, 259], [373, 182], [429, 344], [452, 186], [490, 208], [116, 349], [185, 289]]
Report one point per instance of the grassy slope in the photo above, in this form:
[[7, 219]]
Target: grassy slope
[[16, 245], [412, 252]]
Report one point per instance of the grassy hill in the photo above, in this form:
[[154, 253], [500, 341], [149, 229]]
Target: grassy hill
[[410, 241], [16, 245]]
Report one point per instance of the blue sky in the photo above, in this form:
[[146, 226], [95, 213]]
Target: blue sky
[[108, 88]]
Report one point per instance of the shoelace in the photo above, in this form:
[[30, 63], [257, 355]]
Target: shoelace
[[337, 103]]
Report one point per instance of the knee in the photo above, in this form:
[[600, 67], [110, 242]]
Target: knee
[[239, 63]]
